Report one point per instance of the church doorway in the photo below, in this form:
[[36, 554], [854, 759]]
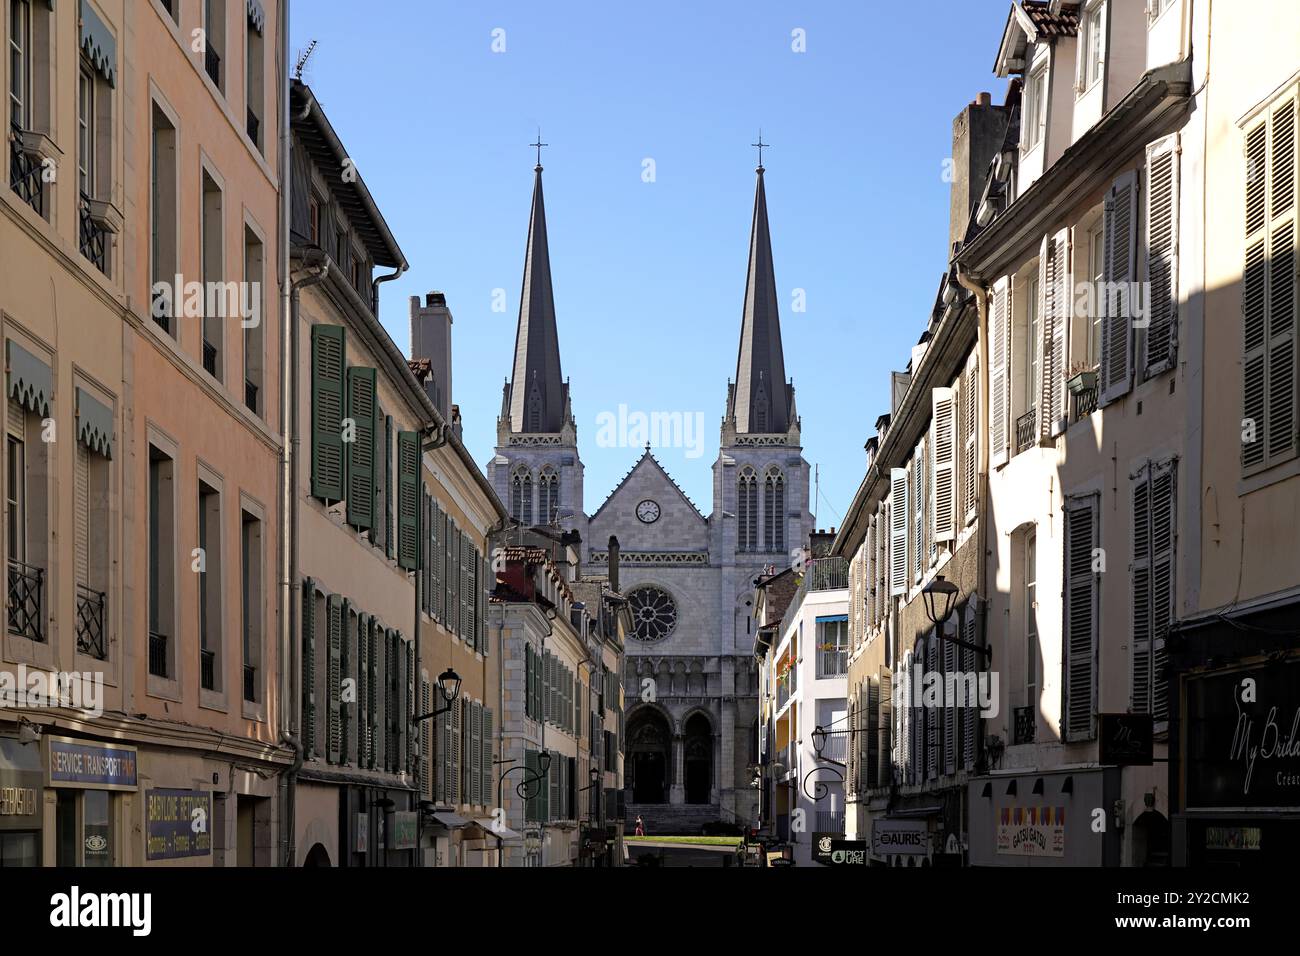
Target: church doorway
[[649, 742], [699, 759]]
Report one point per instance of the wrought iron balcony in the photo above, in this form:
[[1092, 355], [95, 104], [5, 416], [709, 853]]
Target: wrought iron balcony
[[207, 669], [1025, 720], [212, 65], [254, 128], [157, 654], [90, 622], [25, 172], [1085, 402], [26, 600], [210, 358], [94, 237], [832, 663], [1026, 430]]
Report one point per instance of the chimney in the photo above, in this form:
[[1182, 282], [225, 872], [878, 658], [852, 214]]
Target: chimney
[[977, 135], [431, 339], [613, 562]]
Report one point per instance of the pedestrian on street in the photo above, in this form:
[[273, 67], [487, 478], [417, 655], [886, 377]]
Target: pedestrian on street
[[640, 827]]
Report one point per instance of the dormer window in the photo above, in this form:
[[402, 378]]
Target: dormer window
[[1092, 45], [1035, 111]]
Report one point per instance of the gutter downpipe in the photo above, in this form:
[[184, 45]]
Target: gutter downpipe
[[977, 289]]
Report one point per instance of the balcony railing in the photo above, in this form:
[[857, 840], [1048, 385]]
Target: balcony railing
[[827, 574], [254, 128], [161, 311], [1085, 402], [782, 693], [830, 821], [26, 600], [836, 747], [210, 358], [1026, 430], [1024, 722], [250, 683], [90, 622], [832, 663], [212, 65], [207, 669], [94, 237], [25, 172], [157, 654], [250, 395]]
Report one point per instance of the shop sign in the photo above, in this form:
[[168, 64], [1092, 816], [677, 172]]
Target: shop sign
[[836, 851], [1126, 740], [1243, 739], [17, 801], [1233, 838], [403, 833], [1031, 831], [78, 763], [176, 824], [899, 838]]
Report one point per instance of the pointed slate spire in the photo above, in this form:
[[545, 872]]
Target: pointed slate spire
[[537, 400], [761, 401]]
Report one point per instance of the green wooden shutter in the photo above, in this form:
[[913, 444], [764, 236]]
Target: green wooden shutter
[[463, 598], [361, 456], [328, 352], [486, 580], [530, 791], [389, 491], [334, 631], [347, 665], [408, 500], [308, 669], [435, 559], [486, 760], [426, 737], [449, 573], [476, 753], [363, 690]]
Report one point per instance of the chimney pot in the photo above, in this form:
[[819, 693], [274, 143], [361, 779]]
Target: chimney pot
[[984, 99]]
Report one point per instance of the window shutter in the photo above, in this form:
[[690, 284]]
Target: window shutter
[[426, 737], [970, 714], [970, 467], [361, 458], [444, 756], [448, 574], [898, 531], [347, 670], [932, 730], [485, 761], [1056, 291], [408, 714], [389, 491], [528, 680], [408, 500], [918, 503], [476, 753], [308, 669], [553, 801], [482, 583], [328, 352], [943, 440], [81, 512], [1141, 649], [1119, 271], [948, 714], [1164, 534], [999, 381], [457, 725], [1161, 251], [376, 690], [885, 728], [363, 691], [1081, 592]]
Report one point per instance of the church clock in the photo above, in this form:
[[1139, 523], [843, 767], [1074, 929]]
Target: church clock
[[648, 511]]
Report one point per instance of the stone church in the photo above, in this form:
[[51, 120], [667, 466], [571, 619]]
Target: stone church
[[691, 729]]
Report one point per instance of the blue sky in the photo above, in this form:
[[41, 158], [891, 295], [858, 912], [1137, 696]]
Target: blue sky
[[649, 276]]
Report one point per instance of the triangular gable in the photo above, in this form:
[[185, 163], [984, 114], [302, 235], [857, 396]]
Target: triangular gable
[[647, 460]]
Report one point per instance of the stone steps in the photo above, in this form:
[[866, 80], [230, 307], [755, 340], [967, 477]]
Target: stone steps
[[663, 819]]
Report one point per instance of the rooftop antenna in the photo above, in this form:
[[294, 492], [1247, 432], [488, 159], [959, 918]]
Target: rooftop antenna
[[303, 57]]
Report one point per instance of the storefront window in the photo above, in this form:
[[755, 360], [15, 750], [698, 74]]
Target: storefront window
[[96, 834], [65, 829], [83, 828], [18, 849]]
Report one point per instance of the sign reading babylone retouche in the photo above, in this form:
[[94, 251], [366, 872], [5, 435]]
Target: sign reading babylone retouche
[[176, 824]]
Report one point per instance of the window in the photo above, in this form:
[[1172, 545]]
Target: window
[[162, 563], [93, 162], [254, 91], [313, 210], [1158, 7], [1092, 45], [213, 265], [774, 511], [328, 364], [832, 646], [252, 313], [1119, 266], [1155, 524], [250, 593], [84, 834], [747, 510], [86, 130], [28, 496], [548, 496], [1080, 639], [20, 65], [1097, 273], [654, 613], [164, 263], [214, 45], [1030, 597], [363, 451], [1161, 254], [1035, 111], [1269, 290], [521, 496], [209, 570], [91, 522], [1033, 334]]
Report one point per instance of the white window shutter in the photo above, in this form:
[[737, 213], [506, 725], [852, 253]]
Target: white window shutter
[[1140, 650], [81, 512], [1081, 591], [1119, 271], [970, 714], [1164, 535], [1160, 251], [943, 439], [999, 381], [948, 716], [1056, 327], [970, 411], [898, 531], [1043, 387]]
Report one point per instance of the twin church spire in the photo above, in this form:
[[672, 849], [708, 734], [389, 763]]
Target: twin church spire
[[760, 401]]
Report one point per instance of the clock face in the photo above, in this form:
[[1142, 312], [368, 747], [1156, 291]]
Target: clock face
[[648, 511]]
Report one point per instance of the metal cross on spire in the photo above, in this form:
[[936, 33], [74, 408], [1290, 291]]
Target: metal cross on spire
[[539, 144], [760, 144]]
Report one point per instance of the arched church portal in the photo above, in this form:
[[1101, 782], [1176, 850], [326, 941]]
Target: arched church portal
[[699, 759], [649, 743]]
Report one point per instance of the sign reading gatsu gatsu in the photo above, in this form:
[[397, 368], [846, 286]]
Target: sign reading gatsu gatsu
[[176, 824], [1031, 831], [1243, 738]]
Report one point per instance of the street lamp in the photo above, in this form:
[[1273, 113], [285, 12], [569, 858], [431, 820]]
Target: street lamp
[[819, 739], [939, 596], [449, 688]]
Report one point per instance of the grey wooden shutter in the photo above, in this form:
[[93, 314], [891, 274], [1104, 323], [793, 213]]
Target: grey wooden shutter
[[1254, 301], [457, 755], [476, 753], [949, 714], [363, 691], [376, 746], [932, 729], [485, 761], [867, 731], [408, 714], [886, 727], [553, 802], [1081, 589], [362, 457], [347, 665], [1119, 271], [1058, 293], [1141, 573], [898, 531], [408, 500], [528, 680], [435, 560], [308, 669], [999, 379], [426, 739], [328, 357], [1164, 534], [482, 582], [970, 418], [448, 573], [970, 714], [1161, 254], [468, 561], [943, 440], [334, 676]]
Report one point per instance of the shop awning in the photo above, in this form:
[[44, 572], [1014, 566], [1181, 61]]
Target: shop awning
[[452, 821], [494, 829]]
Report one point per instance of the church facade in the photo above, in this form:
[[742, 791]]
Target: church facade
[[690, 736]]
